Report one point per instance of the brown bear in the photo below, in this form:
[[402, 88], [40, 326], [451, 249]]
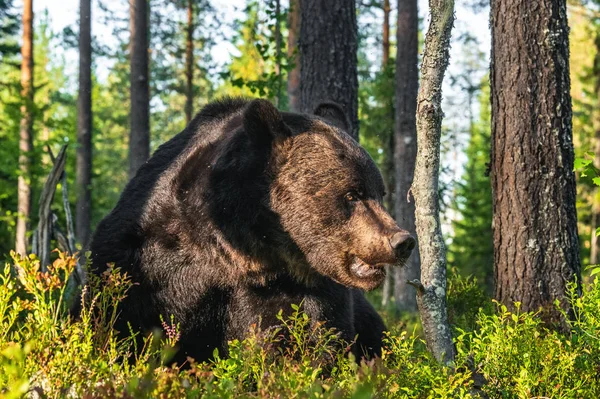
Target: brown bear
[[248, 211]]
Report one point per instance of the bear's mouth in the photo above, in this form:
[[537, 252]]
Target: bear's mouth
[[364, 270]]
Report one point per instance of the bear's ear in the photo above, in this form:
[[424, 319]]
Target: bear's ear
[[263, 122], [333, 114]]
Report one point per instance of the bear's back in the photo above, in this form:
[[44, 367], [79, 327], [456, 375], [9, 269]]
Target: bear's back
[[120, 235]]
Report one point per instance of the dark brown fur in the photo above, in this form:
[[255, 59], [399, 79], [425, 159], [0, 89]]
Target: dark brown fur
[[244, 213]]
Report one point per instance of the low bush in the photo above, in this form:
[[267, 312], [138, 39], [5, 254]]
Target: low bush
[[44, 352]]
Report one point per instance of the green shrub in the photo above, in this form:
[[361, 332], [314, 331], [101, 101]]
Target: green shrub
[[43, 349]]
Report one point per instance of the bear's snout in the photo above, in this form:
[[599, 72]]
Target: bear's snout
[[402, 243]]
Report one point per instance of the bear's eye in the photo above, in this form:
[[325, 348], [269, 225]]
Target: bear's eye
[[352, 196]]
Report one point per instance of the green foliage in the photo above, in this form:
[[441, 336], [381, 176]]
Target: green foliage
[[262, 65], [471, 248], [43, 348], [9, 26], [465, 299]]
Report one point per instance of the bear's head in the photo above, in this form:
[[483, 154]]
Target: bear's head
[[327, 194]]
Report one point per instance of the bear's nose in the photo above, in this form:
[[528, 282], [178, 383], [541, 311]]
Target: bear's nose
[[402, 243]]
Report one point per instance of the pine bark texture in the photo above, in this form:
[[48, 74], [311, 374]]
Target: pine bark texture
[[405, 144], [431, 290], [386, 33], [594, 244], [328, 61], [139, 133], [536, 248], [26, 131], [278, 43], [84, 126], [388, 172], [293, 83], [189, 63]]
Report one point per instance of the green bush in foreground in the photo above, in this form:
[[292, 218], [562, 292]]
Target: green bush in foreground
[[46, 353]]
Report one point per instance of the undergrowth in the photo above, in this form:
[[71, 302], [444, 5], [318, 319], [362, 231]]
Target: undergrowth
[[46, 353]]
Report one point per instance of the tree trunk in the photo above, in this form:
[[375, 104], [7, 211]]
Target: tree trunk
[[431, 290], [594, 244], [328, 65], [293, 82], [26, 130], [536, 248], [405, 143], [139, 136], [189, 63], [389, 157], [84, 126], [278, 43], [386, 33]]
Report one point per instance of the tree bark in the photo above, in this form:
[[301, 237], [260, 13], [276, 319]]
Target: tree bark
[[386, 33], [84, 126], [139, 136], [26, 131], [389, 152], [293, 82], [405, 143], [189, 63], [536, 248], [328, 62], [278, 42], [431, 290], [594, 244]]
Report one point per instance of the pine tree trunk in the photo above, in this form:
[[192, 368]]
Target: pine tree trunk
[[189, 63], [293, 83], [388, 173], [84, 126], [594, 244], [431, 290], [536, 248], [386, 33], [405, 144], [26, 130], [328, 44], [278, 42], [139, 136]]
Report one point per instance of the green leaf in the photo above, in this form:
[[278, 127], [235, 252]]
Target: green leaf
[[596, 181], [581, 163]]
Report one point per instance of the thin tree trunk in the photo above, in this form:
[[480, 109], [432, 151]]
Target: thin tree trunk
[[328, 44], [139, 136], [189, 63], [386, 33], [84, 126], [536, 247], [26, 131], [405, 144], [389, 157], [431, 290], [594, 250], [278, 52], [293, 82]]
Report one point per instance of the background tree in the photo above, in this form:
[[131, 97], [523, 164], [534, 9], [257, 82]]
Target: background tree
[[328, 62], [9, 26], [471, 250], [84, 126], [293, 83], [536, 249], [405, 142], [189, 62], [139, 136], [26, 131]]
